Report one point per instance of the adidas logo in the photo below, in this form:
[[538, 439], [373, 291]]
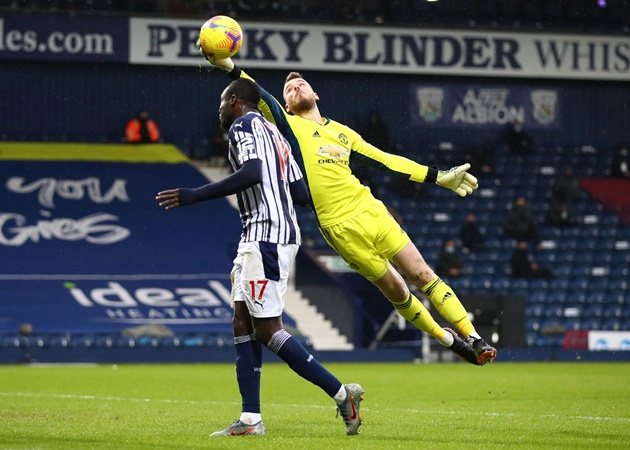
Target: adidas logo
[[417, 316], [316, 134], [447, 296]]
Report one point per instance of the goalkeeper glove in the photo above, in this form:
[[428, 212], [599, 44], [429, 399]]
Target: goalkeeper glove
[[458, 180], [224, 64]]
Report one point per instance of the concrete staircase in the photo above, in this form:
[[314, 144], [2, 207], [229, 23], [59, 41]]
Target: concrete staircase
[[311, 323]]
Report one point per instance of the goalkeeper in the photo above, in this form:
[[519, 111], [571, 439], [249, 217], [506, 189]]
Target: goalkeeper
[[356, 224]]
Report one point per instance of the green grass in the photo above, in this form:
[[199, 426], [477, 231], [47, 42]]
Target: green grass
[[407, 406]]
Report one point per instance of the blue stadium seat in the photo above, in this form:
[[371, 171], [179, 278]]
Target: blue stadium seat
[[613, 311], [553, 311], [560, 283], [594, 311], [562, 269], [538, 283], [599, 284], [590, 323], [572, 323], [533, 324], [534, 311], [611, 324], [557, 297], [537, 296], [595, 298], [500, 283]]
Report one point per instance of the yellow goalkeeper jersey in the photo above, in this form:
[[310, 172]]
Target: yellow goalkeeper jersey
[[324, 151]]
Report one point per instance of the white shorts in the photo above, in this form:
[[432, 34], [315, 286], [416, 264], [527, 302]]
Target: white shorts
[[260, 275]]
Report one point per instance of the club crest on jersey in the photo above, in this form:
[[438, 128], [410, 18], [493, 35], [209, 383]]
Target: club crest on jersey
[[343, 138], [332, 151]]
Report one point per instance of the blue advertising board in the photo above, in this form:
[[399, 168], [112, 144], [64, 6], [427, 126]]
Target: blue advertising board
[[52, 37], [84, 246], [474, 106]]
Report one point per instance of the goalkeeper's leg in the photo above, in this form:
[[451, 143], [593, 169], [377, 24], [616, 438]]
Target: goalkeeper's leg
[[412, 309], [417, 271], [413, 265], [407, 305]]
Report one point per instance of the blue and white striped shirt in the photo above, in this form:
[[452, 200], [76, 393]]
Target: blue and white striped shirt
[[266, 208]]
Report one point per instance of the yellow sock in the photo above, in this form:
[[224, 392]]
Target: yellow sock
[[415, 313], [448, 305]]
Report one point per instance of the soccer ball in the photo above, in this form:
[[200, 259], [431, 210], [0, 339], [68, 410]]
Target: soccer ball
[[221, 37]]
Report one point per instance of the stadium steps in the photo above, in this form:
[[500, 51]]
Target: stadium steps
[[311, 323]]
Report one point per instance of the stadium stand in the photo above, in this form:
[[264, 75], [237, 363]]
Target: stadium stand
[[589, 260]]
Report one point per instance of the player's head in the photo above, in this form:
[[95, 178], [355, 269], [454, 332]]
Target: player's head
[[241, 96], [298, 94]]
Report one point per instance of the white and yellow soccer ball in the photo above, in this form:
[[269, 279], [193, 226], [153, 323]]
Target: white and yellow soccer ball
[[221, 37]]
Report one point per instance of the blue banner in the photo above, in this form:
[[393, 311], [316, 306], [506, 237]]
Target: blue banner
[[469, 105], [84, 247], [62, 37]]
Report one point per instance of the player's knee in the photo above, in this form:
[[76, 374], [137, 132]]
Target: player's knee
[[240, 327], [264, 329], [420, 275]]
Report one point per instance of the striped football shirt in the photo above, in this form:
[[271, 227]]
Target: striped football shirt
[[266, 208]]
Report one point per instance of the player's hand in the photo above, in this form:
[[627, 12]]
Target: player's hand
[[225, 64], [168, 199], [458, 180]]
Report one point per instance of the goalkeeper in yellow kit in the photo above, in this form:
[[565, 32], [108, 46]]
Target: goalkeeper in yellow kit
[[356, 224]]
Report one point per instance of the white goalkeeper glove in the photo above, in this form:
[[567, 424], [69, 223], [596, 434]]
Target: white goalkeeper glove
[[224, 64], [458, 180]]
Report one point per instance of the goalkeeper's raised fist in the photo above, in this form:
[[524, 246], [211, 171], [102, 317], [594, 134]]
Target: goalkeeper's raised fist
[[225, 64], [458, 180]]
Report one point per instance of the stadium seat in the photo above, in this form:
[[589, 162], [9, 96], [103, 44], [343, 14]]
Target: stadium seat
[[553, 311], [533, 324], [557, 297], [536, 310], [595, 298], [590, 323], [594, 311], [613, 311], [537, 296], [611, 324], [572, 323]]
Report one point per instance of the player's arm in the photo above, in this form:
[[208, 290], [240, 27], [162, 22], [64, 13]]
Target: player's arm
[[271, 108], [297, 185], [299, 192], [248, 175], [457, 178]]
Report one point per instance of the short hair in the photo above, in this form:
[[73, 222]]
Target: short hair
[[246, 90], [293, 76]]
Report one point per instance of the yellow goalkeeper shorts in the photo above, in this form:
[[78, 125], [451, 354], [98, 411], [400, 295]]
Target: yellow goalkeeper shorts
[[367, 242]]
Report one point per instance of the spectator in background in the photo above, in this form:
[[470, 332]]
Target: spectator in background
[[482, 158], [142, 130], [519, 222], [517, 140], [565, 190], [448, 262], [471, 236], [524, 266], [375, 132], [620, 166]]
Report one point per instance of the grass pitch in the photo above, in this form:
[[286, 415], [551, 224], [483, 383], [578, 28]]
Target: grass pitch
[[407, 406]]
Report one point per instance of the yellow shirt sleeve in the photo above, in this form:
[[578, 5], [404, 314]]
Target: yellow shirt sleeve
[[416, 172]]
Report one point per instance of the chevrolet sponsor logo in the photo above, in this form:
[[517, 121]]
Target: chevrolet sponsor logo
[[333, 151]]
